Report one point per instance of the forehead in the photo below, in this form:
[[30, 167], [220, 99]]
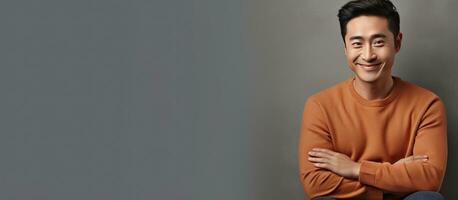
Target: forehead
[[366, 26]]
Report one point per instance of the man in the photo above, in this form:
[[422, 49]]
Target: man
[[374, 136]]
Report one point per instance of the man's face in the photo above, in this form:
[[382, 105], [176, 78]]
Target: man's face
[[370, 48]]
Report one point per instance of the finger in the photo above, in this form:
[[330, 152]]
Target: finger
[[319, 154], [318, 160], [413, 158], [418, 158], [422, 156], [410, 158], [327, 151], [321, 165]]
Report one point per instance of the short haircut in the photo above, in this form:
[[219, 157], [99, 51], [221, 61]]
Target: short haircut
[[356, 8]]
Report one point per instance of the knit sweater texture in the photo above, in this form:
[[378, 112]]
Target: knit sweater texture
[[409, 121]]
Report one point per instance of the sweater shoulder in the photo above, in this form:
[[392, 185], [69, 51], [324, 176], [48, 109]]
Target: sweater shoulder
[[416, 92]]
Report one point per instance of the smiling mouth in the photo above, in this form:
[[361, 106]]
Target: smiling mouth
[[369, 67]]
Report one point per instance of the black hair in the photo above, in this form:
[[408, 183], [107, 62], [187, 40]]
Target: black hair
[[356, 8]]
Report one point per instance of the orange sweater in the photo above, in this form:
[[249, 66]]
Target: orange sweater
[[409, 121]]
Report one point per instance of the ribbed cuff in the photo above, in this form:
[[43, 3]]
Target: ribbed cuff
[[367, 172]]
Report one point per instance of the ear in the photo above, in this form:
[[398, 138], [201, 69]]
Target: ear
[[398, 42]]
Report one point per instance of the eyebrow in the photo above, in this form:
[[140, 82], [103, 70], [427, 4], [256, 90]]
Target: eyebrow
[[378, 35]]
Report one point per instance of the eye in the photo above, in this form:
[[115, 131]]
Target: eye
[[356, 44], [379, 43]]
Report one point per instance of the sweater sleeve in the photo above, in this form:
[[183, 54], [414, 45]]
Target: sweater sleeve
[[316, 182], [430, 140]]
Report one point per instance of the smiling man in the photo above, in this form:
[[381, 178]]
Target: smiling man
[[373, 136]]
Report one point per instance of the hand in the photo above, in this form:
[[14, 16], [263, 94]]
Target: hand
[[338, 163], [412, 159]]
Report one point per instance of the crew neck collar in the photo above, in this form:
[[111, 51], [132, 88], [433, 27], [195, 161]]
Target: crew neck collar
[[377, 102]]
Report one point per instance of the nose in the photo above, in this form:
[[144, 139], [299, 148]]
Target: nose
[[368, 54]]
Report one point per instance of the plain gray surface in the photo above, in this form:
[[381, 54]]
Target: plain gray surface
[[197, 99]]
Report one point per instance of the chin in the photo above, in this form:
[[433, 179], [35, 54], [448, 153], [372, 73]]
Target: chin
[[368, 78]]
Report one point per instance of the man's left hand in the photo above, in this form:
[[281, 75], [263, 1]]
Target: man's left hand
[[338, 163]]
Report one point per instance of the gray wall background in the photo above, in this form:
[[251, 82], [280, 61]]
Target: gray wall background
[[197, 99]]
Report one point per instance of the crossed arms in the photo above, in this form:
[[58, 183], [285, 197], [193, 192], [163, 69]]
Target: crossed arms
[[325, 172]]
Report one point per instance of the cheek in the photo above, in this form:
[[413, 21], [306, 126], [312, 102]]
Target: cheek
[[352, 56], [386, 54]]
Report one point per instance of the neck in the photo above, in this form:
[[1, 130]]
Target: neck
[[373, 90]]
